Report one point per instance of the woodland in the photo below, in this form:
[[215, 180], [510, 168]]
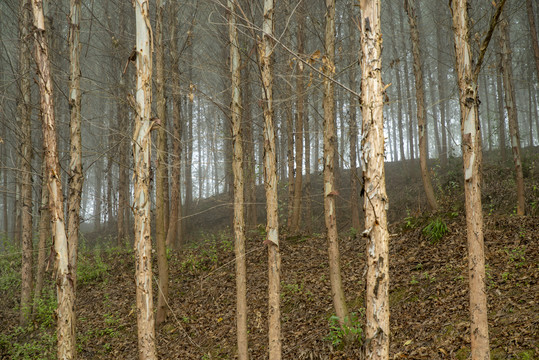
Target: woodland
[[293, 179]]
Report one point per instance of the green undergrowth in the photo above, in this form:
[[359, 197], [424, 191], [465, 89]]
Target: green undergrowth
[[38, 339], [349, 333]]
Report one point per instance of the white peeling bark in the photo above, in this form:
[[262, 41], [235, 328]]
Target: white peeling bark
[[375, 198]]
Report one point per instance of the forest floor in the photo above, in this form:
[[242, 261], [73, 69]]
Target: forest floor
[[428, 298], [428, 293]]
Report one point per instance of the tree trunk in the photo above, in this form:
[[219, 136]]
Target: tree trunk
[[175, 228], [249, 154], [44, 235], [188, 144], [123, 166], [289, 152], [330, 193], [270, 185], [161, 171], [300, 100], [435, 113], [237, 169], [487, 112], [4, 197], [17, 207], [441, 84], [535, 113], [472, 158], [421, 110], [25, 113], [407, 85], [76, 177], [530, 116], [511, 106], [375, 203], [308, 207], [398, 81], [141, 176], [501, 111], [352, 116], [123, 160], [531, 107], [533, 33], [98, 176], [64, 284]]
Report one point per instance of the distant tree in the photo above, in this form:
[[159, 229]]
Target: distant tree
[[266, 48], [375, 197], [472, 158], [142, 199], [511, 106], [409, 6], [533, 34], [441, 83], [64, 285], [395, 64], [501, 110]]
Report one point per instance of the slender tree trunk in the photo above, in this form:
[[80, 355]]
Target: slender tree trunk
[[530, 116], [98, 176], [354, 198], [175, 228], [289, 152], [441, 84], [108, 194], [123, 166], [308, 207], [300, 100], [4, 197], [141, 206], [161, 171], [511, 106], [435, 113], [316, 140], [64, 285], [24, 108], [535, 113], [123, 160], [407, 85], [17, 206], [330, 193], [421, 110], [249, 154], [270, 185], [44, 235], [76, 177], [375, 203], [472, 159], [501, 112], [533, 35], [531, 107], [398, 80], [189, 139], [237, 169], [487, 112]]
